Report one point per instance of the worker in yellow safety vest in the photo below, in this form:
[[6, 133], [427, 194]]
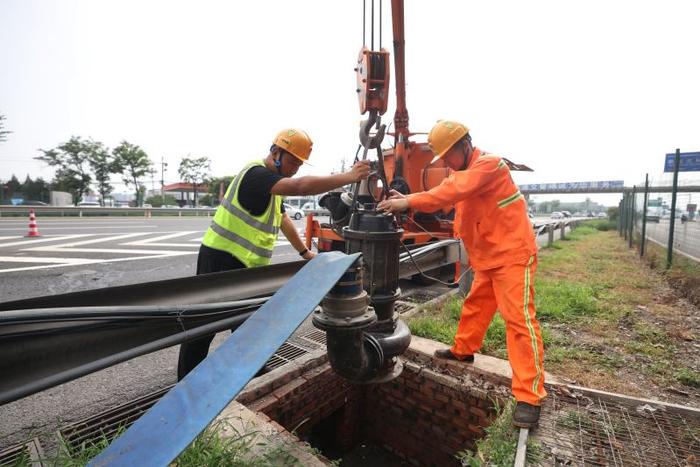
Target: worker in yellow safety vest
[[246, 224]]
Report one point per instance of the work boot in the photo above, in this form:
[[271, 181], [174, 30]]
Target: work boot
[[448, 355], [526, 415]]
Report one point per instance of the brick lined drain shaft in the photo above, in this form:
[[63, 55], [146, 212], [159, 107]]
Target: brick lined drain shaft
[[363, 333]]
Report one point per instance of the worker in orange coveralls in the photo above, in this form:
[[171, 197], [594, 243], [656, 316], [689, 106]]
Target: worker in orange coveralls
[[491, 219]]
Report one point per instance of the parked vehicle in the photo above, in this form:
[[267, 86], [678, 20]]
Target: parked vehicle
[[309, 206], [653, 215], [293, 212], [32, 203]]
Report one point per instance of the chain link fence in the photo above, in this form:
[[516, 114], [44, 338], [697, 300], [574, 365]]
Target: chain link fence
[[655, 216]]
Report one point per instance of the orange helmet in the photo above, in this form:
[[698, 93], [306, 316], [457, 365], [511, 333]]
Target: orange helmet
[[295, 142], [444, 135]]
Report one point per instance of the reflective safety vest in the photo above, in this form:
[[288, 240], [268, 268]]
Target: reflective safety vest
[[249, 238]]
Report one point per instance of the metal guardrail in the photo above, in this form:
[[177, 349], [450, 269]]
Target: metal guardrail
[[550, 228], [95, 211]]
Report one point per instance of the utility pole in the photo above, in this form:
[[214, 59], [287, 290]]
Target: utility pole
[[163, 165]]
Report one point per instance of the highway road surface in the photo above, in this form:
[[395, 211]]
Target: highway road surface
[[75, 254]]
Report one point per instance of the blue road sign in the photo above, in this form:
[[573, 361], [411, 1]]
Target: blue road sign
[[689, 162]]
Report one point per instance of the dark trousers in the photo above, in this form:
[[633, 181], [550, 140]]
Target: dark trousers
[[193, 352]]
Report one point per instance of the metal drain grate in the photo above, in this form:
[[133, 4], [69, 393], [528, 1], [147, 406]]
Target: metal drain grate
[[108, 424], [28, 453], [285, 354], [402, 307], [580, 430], [420, 296], [315, 337]]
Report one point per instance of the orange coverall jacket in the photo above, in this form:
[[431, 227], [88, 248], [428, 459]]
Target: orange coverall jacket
[[490, 213]]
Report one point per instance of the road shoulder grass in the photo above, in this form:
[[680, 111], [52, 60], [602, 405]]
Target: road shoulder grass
[[608, 321]]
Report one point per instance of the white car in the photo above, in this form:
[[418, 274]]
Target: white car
[[294, 213], [557, 215], [88, 204]]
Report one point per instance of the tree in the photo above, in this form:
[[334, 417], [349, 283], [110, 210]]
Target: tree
[[71, 162], [14, 186], [217, 185], [103, 166], [67, 180], [3, 133], [194, 171], [37, 190], [132, 163]]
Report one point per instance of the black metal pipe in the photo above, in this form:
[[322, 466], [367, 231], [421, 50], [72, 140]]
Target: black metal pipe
[[353, 354], [34, 386], [395, 343]]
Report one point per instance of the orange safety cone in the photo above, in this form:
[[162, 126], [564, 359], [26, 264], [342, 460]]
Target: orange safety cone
[[33, 228]]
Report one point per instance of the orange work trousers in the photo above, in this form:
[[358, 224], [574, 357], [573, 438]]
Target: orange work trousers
[[510, 289]]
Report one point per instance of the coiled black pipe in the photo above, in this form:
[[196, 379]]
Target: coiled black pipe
[[35, 386]]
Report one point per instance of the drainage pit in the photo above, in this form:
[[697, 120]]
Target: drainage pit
[[422, 417]]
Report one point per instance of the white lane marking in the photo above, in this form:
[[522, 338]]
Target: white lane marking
[[97, 261], [70, 245], [34, 240], [157, 241], [10, 238], [109, 250], [77, 220], [90, 227], [78, 247], [281, 243], [43, 259]]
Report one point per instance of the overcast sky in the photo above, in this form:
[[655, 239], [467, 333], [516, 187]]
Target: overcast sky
[[595, 90]]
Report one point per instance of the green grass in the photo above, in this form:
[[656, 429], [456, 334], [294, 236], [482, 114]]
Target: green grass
[[564, 301], [602, 224], [498, 447], [688, 377], [209, 449], [588, 294]]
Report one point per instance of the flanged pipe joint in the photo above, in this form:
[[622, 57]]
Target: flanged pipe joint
[[364, 336]]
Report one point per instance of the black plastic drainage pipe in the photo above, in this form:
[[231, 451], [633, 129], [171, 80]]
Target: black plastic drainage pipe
[[41, 384]]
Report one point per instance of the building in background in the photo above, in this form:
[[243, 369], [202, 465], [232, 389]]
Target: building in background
[[182, 192]]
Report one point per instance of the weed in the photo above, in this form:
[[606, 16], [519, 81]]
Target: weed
[[602, 224], [575, 421], [23, 460], [212, 449], [498, 447], [209, 449], [78, 456], [688, 377]]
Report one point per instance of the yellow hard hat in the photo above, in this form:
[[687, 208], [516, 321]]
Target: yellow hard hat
[[295, 142], [444, 135]]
